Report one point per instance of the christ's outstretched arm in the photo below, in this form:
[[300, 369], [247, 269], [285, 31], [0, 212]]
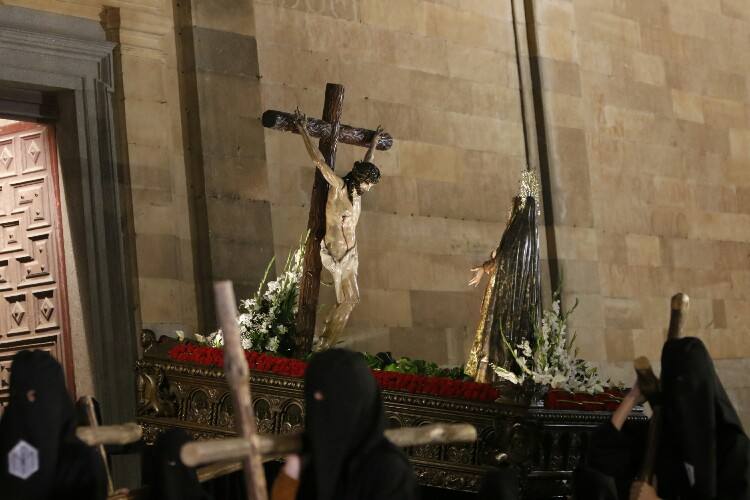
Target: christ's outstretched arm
[[317, 157], [371, 150]]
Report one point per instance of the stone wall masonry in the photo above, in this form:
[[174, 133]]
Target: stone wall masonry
[[156, 158], [663, 115], [228, 176]]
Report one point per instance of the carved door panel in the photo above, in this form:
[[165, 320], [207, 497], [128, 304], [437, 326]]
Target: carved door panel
[[32, 285]]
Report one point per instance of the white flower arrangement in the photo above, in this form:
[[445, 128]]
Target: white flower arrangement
[[553, 359], [267, 321]]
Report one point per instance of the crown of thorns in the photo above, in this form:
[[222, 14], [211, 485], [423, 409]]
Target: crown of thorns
[[364, 172]]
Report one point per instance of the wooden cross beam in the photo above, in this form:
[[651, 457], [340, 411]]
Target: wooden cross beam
[[279, 120], [330, 131], [198, 453], [238, 378], [95, 435]]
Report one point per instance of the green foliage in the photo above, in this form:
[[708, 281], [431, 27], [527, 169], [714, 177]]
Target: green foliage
[[384, 361]]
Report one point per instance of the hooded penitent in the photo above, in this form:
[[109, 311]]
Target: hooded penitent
[[611, 463], [173, 480], [705, 451], [500, 483], [40, 456], [347, 457], [591, 484]]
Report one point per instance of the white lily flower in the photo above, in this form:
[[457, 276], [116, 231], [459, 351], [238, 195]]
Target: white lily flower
[[273, 344]]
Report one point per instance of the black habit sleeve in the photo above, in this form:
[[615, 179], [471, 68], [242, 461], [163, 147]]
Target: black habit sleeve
[[612, 457]]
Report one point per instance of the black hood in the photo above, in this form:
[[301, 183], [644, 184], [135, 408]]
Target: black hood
[[699, 423], [344, 422], [40, 413], [173, 480]]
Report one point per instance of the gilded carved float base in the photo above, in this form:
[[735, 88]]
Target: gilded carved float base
[[545, 444]]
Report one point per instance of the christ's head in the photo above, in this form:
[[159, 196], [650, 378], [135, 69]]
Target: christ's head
[[362, 177]]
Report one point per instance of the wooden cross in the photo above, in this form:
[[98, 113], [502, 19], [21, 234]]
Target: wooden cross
[[88, 404], [269, 446], [331, 132], [238, 379]]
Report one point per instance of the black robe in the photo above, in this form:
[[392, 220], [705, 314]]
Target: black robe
[[347, 456], [703, 453], [611, 463], [168, 478], [705, 448], [500, 483], [41, 413]]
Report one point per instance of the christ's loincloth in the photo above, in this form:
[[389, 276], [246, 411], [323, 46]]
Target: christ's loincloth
[[340, 269]]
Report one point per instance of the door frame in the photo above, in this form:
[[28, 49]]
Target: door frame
[[60, 69]]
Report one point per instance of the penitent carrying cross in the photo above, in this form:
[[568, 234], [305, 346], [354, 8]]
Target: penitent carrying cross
[[334, 211]]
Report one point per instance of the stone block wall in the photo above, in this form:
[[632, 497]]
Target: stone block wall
[[226, 169], [647, 111], [156, 157]]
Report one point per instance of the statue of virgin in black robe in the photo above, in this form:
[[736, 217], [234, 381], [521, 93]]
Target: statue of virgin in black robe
[[512, 300], [704, 453]]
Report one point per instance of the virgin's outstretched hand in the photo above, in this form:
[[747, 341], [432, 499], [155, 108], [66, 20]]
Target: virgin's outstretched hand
[[478, 273]]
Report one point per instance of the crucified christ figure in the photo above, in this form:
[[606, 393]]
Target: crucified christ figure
[[338, 248]]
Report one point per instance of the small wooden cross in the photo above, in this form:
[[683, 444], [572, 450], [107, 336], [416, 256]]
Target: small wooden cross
[[272, 446], [330, 131], [238, 379]]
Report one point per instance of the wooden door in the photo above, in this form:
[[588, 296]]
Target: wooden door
[[33, 309]]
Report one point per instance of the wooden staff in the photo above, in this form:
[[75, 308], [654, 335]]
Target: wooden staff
[[679, 307], [650, 388], [204, 452], [88, 404], [238, 379], [97, 435], [649, 385]]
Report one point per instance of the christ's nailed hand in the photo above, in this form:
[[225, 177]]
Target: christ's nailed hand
[[299, 118]]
